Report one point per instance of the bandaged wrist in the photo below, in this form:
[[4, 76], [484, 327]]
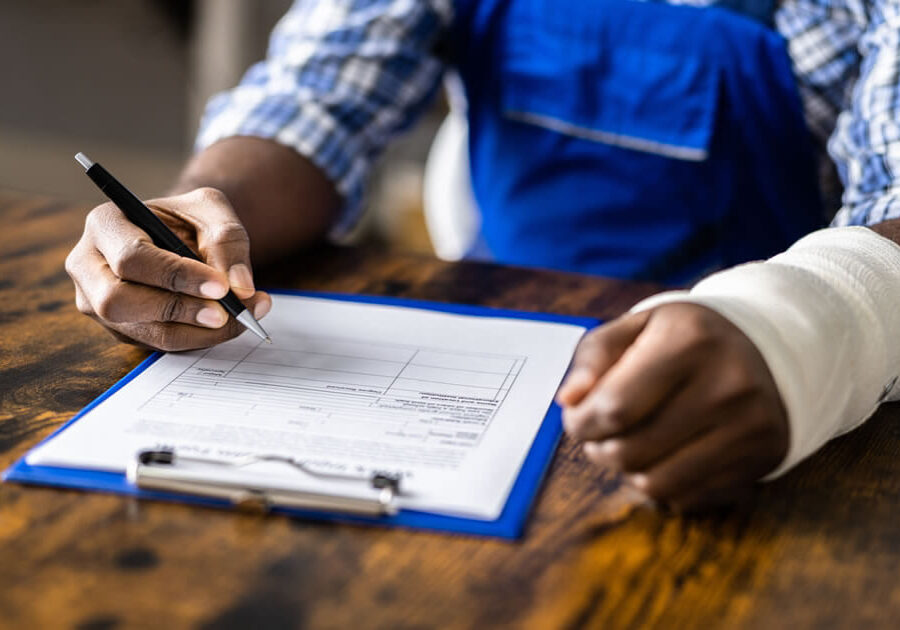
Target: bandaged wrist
[[825, 316]]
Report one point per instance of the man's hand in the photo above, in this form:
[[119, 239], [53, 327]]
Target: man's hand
[[151, 297], [679, 400]]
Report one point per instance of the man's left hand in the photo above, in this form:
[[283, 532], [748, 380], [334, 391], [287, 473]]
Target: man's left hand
[[679, 400]]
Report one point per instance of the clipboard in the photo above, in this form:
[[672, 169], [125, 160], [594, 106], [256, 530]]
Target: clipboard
[[509, 525]]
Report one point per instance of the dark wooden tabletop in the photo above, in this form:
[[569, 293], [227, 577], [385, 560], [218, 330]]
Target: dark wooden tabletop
[[818, 548]]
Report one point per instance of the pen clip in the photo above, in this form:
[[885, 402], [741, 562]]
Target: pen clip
[[157, 469]]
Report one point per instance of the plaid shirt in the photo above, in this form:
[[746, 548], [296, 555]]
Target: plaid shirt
[[342, 77]]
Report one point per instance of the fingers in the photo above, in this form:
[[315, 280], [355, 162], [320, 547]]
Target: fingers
[[221, 238], [154, 297], [693, 474], [132, 256], [688, 413], [648, 372], [173, 336], [114, 300], [596, 353]]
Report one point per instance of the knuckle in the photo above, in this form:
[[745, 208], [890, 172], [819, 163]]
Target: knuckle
[[127, 258], [82, 304], [208, 194], [573, 422], [174, 309], [741, 382], [92, 220], [97, 218], [228, 233], [72, 262], [589, 449], [614, 412], [615, 455], [583, 423], [689, 325], [173, 275], [741, 375], [695, 335], [107, 302]]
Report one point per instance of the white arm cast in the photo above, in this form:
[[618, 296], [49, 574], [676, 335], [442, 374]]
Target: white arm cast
[[825, 315]]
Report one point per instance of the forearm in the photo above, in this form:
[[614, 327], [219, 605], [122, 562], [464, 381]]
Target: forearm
[[341, 79], [283, 200]]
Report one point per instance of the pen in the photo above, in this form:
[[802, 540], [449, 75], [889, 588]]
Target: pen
[[139, 214]]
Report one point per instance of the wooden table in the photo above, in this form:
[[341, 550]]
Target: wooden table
[[819, 548]]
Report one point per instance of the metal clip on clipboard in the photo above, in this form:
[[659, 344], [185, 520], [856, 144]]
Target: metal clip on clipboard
[[158, 470]]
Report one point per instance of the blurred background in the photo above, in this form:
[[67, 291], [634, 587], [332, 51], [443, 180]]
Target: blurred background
[[125, 81]]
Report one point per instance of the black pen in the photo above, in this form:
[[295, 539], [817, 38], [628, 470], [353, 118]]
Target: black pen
[[139, 214]]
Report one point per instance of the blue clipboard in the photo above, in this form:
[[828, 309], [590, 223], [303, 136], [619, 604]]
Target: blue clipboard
[[509, 525]]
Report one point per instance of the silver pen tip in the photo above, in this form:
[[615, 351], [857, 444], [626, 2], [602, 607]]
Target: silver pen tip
[[84, 160], [247, 319], [268, 340]]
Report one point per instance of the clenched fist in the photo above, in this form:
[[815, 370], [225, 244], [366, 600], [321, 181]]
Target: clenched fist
[[151, 297], [679, 400]]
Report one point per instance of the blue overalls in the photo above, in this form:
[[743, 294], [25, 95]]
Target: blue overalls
[[632, 139]]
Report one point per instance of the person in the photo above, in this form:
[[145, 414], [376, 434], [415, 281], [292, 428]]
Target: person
[[604, 139]]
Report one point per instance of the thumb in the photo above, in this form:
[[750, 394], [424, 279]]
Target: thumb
[[598, 351]]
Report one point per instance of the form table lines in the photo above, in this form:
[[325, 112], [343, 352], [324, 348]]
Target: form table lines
[[435, 395]]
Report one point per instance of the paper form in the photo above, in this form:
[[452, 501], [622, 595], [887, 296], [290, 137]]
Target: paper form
[[451, 403]]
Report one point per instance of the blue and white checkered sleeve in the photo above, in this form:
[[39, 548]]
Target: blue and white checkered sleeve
[[340, 79], [866, 141]]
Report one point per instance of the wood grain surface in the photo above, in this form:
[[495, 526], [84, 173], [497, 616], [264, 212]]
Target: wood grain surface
[[818, 548]]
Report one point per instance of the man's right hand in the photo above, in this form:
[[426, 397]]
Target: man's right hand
[[151, 297]]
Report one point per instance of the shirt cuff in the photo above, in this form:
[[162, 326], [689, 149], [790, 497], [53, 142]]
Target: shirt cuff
[[871, 211]]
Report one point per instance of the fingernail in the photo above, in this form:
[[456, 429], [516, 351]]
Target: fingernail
[[212, 317], [262, 309], [213, 289], [240, 278]]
